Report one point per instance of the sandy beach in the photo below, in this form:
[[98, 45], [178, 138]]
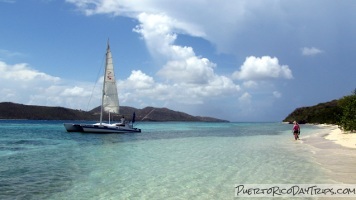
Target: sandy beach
[[335, 151], [340, 137]]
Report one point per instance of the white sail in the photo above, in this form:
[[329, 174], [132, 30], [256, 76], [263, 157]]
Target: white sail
[[110, 101]]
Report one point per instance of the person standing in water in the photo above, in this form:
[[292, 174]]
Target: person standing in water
[[123, 120], [296, 130]]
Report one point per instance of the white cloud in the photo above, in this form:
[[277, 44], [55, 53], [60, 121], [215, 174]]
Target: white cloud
[[306, 51], [140, 86], [277, 94], [22, 72], [160, 32], [75, 92], [250, 84], [22, 84], [245, 98], [139, 80], [255, 68], [190, 70], [187, 75]]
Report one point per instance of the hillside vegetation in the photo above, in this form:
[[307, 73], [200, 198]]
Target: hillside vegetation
[[341, 112], [10, 110], [327, 113]]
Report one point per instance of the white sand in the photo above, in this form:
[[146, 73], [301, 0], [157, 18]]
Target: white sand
[[335, 152], [340, 137]]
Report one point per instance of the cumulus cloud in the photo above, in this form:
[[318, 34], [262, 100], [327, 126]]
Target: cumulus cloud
[[245, 98], [255, 68], [22, 72], [306, 51], [186, 73], [141, 86], [75, 92], [23, 84], [159, 32], [139, 80], [250, 84], [189, 70]]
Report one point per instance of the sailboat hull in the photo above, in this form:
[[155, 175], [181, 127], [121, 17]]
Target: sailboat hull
[[103, 128], [73, 127]]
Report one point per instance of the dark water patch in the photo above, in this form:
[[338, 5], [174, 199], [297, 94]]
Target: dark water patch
[[28, 142], [38, 174], [25, 145], [31, 142], [12, 148]]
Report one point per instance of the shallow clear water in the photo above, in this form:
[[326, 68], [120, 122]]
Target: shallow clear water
[[171, 160]]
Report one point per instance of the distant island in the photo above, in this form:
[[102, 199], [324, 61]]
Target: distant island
[[9, 110]]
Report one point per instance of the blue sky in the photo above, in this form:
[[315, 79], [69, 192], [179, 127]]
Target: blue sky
[[237, 60]]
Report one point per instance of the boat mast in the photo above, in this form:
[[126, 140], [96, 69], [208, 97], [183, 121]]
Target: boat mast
[[104, 81]]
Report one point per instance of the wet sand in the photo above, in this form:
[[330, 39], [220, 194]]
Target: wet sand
[[335, 152]]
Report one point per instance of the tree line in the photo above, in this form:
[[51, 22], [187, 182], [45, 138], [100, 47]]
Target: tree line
[[341, 112], [347, 119]]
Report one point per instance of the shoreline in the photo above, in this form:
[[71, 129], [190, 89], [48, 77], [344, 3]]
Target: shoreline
[[340, 137], [334, 151]]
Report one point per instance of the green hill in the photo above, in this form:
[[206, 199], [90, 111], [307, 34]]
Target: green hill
[[341, 112], [328, 112], [10, 110]]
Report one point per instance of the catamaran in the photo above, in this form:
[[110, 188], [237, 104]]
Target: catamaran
[[109, 103]]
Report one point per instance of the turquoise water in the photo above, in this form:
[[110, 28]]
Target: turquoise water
[[171, 160]]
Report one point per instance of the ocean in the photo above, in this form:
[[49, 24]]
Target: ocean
[[167, 160]]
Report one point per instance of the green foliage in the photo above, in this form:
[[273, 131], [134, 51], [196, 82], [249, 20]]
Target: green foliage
[[341, 112], [328, 113], [348, 117]]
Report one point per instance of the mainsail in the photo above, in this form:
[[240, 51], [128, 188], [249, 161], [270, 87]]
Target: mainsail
[[110, 99]]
